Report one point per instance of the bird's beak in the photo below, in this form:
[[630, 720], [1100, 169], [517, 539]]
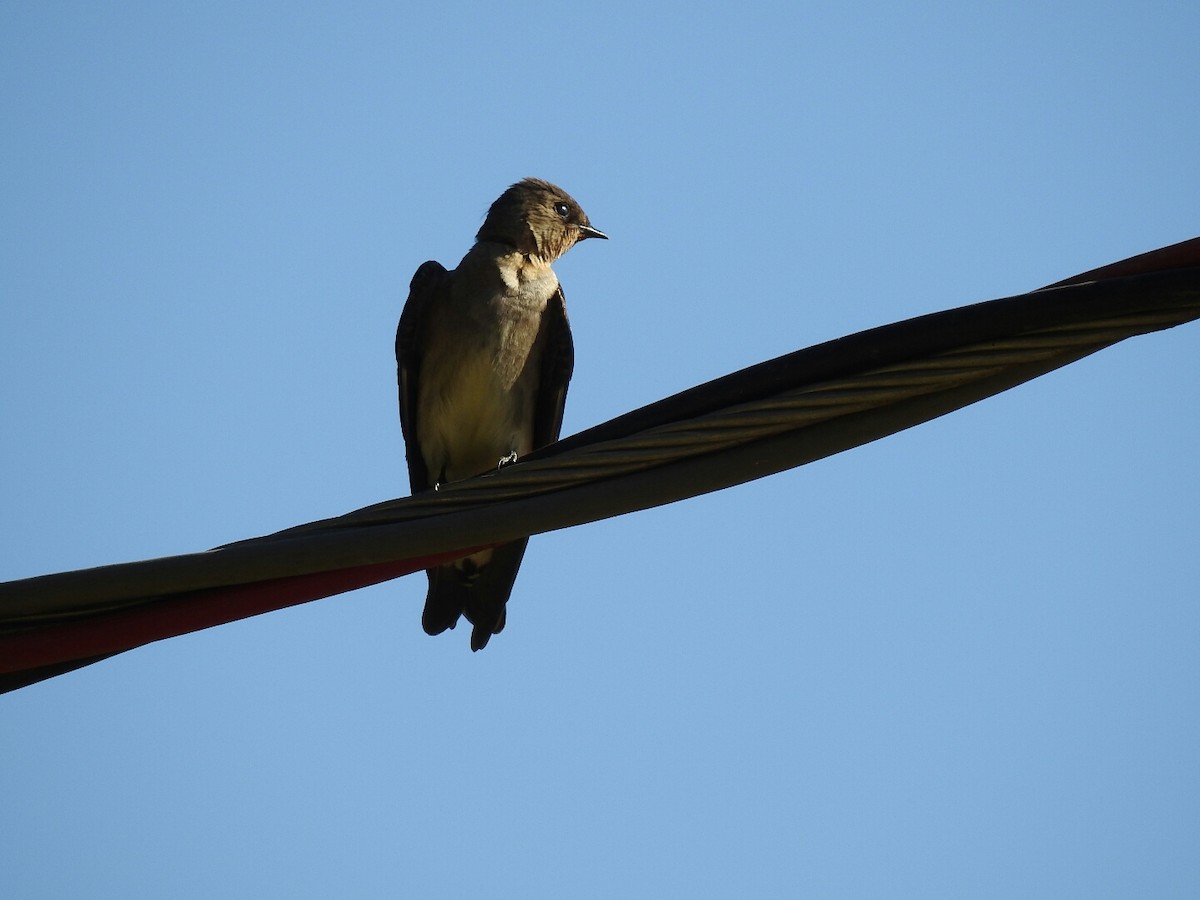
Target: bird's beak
[[587, 231]]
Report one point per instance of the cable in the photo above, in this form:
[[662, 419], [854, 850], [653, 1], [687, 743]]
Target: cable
[[764, 419]]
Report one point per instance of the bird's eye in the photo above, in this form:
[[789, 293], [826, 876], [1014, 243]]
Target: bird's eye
[[562, 209]]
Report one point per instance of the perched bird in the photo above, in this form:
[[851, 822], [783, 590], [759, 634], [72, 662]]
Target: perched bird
[[483, 357]]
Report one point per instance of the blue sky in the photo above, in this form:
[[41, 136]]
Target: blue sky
[[958, 662]]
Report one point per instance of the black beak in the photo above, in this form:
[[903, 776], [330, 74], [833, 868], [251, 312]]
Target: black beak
[[587, 231]]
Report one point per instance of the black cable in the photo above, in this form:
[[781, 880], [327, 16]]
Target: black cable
[[772, 416]]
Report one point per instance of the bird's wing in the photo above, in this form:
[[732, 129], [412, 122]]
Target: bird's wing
[[429, 282], [558, 361]]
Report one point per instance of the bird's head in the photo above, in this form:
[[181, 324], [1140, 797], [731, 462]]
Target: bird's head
[[537, 218]]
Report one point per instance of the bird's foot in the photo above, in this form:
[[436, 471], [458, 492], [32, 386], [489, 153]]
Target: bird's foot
[[507, 460]]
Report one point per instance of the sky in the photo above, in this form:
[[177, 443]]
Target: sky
[[958, 662]]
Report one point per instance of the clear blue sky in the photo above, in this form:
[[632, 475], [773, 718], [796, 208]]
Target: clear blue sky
[[960, 662]]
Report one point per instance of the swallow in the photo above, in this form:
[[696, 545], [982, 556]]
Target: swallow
[[483, 359]]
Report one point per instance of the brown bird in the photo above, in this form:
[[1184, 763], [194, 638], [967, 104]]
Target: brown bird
[[483, 357]]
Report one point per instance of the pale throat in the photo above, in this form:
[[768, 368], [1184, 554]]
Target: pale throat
[[529, 281]]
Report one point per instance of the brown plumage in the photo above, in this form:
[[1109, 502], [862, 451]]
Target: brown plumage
[[483, 356]]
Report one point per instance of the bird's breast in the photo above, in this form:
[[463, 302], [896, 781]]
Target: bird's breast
[[477, 394]]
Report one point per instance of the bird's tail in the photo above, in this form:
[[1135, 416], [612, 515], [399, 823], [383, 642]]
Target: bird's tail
[[481, 594], [445, 601]]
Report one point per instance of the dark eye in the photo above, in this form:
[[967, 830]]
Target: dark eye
[[562, 209]]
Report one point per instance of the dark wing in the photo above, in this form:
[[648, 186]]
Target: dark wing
[[558, 361], [427, 284]]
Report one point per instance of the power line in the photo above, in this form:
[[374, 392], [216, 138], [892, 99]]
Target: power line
[[761, 420]]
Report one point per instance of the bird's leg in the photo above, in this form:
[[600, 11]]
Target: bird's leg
[[507, 460]]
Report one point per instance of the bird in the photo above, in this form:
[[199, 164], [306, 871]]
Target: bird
[[483, 358]]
